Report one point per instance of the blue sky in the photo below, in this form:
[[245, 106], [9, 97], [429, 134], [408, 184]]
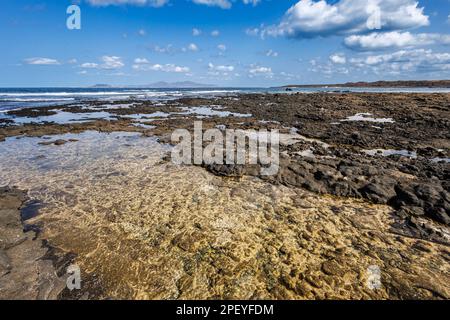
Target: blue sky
[[223, 42]]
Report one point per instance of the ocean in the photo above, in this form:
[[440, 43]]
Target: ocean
[[18, 98]]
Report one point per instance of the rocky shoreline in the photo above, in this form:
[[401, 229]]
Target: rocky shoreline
[[25, 273], [386, 149]]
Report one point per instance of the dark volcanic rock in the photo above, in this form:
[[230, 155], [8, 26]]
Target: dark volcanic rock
[[378, 192], [58, 142]]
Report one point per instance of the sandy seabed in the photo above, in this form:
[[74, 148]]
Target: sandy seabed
[[149, 229]]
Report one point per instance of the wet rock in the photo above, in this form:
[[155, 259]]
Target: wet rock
[[186, 241], [315, 281], [427, 152], [302, 289], [24, 271], [411, 211], [313, 186], [226, 170], [428, 193], [440, 215], [5, 262], [378, 193], [60, 142], [327, 175], [344, 189], [332, 268], [406, 196]]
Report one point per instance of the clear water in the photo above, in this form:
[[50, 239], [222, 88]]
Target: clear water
[[153, 230]]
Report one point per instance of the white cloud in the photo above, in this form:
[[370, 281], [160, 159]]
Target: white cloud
[[109, 63], [404, 61], [196, 32], [141, 61], [394, 39], [142, 32], [191, 47], [328, 69], [271, 53], [212, 67], [167, 49], [104, 3], [260, 71], [215, 33], [253, 32], [170, 49], [142, 64], [338, 59], [224, 4], [222, 47], [42, 61], [253, 2], [308, 18], [89, 65]]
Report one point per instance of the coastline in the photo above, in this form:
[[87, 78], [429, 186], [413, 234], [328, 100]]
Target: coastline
[[412, 190]]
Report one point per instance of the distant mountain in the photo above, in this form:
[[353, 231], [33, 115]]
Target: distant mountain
[[103, 86], [182, 84], [161, 84], [382, 84]]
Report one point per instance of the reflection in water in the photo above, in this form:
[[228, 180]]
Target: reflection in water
[[62, 117], [390, 152], [367, 117], [151, 229]]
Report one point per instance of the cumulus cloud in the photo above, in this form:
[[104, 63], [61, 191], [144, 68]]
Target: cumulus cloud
[[403, 61], [253, 32], [252, 2], [271, 53], [196, 32], [42, 61], [213, 67], [335, 65], [338, 59], [224, 4], [108, 63], [215, 33], [191, 47], [89, 65], [222, 47], [260, 71], [104, 3], [308, 18], [394, 39], [142, 64], [167, 49]]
